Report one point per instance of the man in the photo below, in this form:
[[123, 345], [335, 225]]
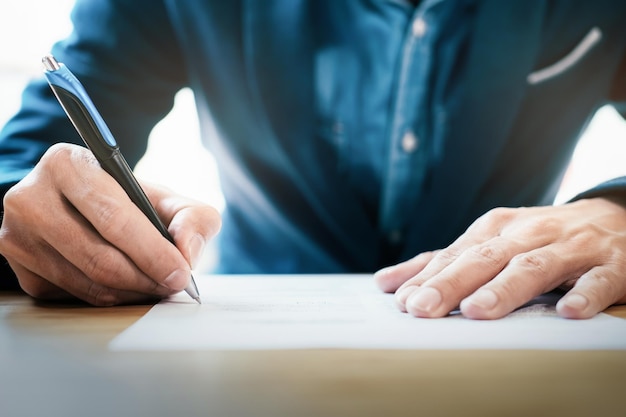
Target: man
[[350, 136]]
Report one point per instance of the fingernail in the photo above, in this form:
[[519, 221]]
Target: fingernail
[[484, 299], [381, 272], [426, 300], [177, 280], [575, 302], [404, 293], [196, 247]]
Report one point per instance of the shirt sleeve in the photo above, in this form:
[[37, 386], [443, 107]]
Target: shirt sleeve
[[615, 187], [126, 55]]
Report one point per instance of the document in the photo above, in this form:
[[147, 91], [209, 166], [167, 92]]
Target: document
[[258, 312]]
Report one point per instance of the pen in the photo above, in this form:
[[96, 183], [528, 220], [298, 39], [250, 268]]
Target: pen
[[99, 139]]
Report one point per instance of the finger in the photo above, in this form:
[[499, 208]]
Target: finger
[[83, 247], [389, 279], [35, 286], [592, 293], [70, 280], [192, 226], [126, 230], [484, 228], [472, 269], [169, 204], [106, 206], [437, 264], [527, 275], [30, 233], [78, 286]]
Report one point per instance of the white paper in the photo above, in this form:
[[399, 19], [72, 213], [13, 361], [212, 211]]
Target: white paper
[[257, 312]]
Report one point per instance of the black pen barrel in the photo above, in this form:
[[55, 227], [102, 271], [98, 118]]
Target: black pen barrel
[[118, 168]]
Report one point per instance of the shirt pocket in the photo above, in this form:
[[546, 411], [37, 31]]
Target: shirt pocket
[[577, 54]]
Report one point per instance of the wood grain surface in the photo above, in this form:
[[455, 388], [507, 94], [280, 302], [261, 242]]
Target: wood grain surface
[[54, 361]]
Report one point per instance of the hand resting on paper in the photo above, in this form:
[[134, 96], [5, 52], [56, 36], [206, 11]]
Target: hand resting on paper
[[509, 256]]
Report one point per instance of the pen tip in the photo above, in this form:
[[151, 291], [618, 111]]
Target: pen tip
[[198, 300]]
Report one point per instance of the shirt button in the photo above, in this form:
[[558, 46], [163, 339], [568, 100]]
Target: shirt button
[[337, 128], [419, 27], [395, 237], [409, 142]]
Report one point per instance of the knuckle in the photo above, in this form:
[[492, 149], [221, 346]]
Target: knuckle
[[610, 285], [453, 284], [424, 257], [588, 237], [615, 257], [29, 201], [4, 247], [498, 215], [66, 159], [155, 288], [542, 226], [603, 283], [38, 287], [598, 286], [57, 155], [100, 296], [111, 220], [13, 242], [102, 266], [18, 201], [5, 240], [532, 262], [448, 255], [489, 254], [32, 287], [13, 196]]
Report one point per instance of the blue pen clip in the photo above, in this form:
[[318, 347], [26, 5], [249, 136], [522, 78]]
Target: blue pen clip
[[75, 100]]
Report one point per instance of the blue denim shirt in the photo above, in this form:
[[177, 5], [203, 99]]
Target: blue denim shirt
[[349, 135], [384, 75]]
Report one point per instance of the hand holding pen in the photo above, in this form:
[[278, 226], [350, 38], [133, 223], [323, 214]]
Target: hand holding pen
[[72, 227]]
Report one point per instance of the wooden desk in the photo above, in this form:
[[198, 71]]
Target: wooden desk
[[54, 362]]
